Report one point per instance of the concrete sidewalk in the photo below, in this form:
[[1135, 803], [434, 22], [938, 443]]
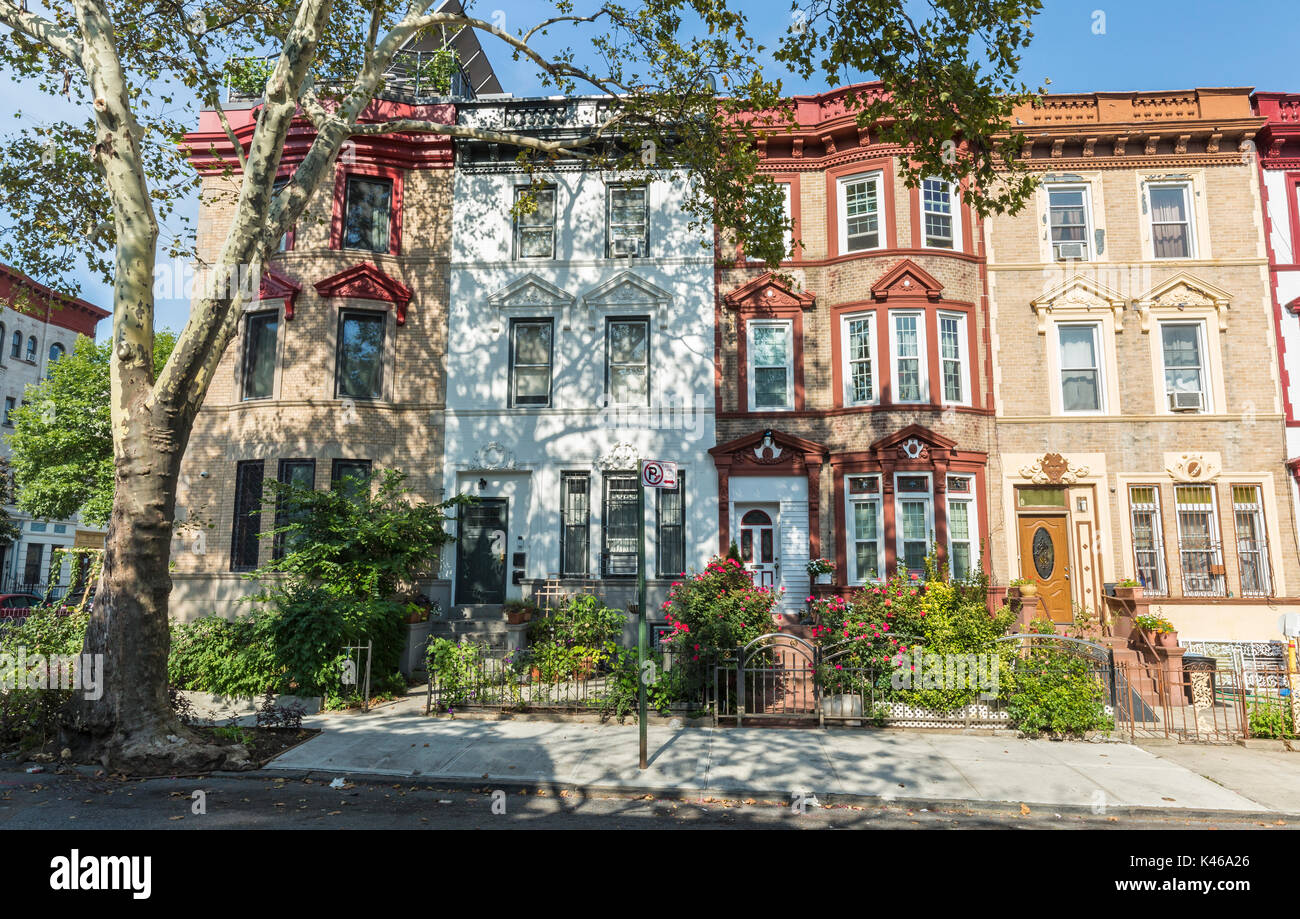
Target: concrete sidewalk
[[772, 762]]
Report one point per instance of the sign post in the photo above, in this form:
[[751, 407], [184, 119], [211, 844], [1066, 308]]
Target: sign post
[[654, 474]]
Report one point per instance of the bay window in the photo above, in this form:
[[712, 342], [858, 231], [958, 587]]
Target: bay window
[[914, 521], [367, 216], [359, 370], [260, 332], [941, 225], [858, 358], [866, 530], [953, 357], [962, 527]]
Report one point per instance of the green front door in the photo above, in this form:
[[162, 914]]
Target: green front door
[[481, 553]]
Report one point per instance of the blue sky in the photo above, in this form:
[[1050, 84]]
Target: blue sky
[[1139, 44]]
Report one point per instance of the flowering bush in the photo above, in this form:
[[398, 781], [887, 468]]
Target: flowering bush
[[882, 628], [712, 613]]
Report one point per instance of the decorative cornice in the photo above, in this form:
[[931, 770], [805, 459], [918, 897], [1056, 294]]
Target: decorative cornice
[[769, 291], [907, 279], [1053, 469]]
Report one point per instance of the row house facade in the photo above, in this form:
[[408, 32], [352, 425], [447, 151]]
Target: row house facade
[[1278, 146], [581, 336], [337, 371], [1139, 416], [38, 326], [855, 416]]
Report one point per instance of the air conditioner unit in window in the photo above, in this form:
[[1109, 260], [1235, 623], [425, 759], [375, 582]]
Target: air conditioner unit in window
[[1185, 401], [1071, 251], [628, 248]]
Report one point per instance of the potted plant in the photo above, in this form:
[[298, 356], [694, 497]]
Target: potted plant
[[1128, 589], [519, 611], [1027, 587], [821, 570], [1159, 630]]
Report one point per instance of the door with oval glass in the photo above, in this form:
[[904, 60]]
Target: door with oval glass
[[1045, 557], [758, 550]]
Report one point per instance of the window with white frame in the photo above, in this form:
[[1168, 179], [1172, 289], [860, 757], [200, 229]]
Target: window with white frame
[[910, 379], [771, 365], [939, 214], [535, 229], [859, 212], [1182, 351], [858, 358], [953, 357], [1170, 208], [914, 521], [627, 355], [866, 530], [531, 361], [1199, 549], [1082, 386], [1148, 539], [1252, 541], [627, 222], [1069, 218], [962, 527]]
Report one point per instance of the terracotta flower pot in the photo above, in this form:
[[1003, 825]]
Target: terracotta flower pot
[[1167, 639]]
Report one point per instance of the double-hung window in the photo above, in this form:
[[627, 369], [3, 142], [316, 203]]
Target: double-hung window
[[535, 229], [788, 237], [962, 526], [248, 515], [531, 356], [910, 377], [1252, 541], [953, 358], [360, 364], [627, 352], [1081, 374], [367, 219], [941, 227], [670, 529], [1148, 539], [1172, 232], [914, 513], [1068, 210], [860, 208], [627, 220], [575, 518], [1182, 348], [350, 476], [771, 365], [260, 331], [1199, 549], [866, 529], [858, 360]]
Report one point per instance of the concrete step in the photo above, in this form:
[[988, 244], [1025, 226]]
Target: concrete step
[[488, 612], [488, 631]]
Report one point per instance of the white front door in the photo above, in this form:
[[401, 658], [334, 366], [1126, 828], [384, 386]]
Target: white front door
[[759, 549]]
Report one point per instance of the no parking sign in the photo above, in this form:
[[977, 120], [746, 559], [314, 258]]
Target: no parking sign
[[658, 474]]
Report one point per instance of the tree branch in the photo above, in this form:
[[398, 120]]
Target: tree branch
[[64, 43]]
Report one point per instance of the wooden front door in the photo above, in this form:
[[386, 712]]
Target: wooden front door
[[481, 552], [1045, 557]]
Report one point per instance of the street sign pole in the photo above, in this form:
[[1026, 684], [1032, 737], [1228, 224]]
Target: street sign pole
[[641, 615]]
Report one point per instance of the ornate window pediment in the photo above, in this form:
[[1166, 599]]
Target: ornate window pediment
[[625, 291], [275, 286], [1053, 469], [913, 443], [367, 282], [767, 292], [907, 279], [530, 295], [1182, 292], [1078, 298]]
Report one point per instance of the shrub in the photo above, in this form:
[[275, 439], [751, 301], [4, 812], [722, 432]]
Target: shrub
[[455, 668], [31, 717], [712, 613], [1056, 692], [1270, 719], [622, 699]]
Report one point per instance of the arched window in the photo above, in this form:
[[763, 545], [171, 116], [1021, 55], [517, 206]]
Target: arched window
[[756, 518], [31, 348], [17, 349], [56, 351]]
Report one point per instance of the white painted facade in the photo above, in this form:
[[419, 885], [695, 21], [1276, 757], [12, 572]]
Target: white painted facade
[[519, 453]]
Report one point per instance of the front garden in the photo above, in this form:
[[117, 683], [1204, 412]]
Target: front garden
[[917, 649]]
